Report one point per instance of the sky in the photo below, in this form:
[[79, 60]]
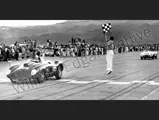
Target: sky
[[23, 23]]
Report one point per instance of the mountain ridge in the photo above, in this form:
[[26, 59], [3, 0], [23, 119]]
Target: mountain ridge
[[87, 29]]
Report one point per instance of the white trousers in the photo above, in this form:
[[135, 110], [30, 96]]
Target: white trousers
[[109, 59]]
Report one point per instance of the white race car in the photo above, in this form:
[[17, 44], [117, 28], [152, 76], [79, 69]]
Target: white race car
[[148, 54]]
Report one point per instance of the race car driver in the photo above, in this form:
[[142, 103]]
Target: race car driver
[[38, 57]]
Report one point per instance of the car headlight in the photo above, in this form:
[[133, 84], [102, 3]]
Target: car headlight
[[8, 72], [33, 72]]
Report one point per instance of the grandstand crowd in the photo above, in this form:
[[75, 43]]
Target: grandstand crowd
[[74, 48]]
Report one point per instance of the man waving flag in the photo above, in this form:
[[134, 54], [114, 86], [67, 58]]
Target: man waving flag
[[110, 47]]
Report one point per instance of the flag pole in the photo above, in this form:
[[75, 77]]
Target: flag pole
[[106, 37], [105, 32]]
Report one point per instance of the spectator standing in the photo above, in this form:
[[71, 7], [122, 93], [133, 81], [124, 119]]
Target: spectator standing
[[12, 53], [6, 54], [1, 55], [17, 54]]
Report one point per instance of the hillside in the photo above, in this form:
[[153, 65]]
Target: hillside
[[87, 29]]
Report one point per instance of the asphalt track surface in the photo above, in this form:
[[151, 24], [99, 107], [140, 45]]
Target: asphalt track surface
[[132, 79]]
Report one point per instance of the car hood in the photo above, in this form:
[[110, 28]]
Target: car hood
[[23, 71], [148, 52]]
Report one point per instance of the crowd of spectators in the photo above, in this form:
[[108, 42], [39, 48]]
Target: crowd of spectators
[[17, 51], [82, 48], [135, 48], [74, 48]]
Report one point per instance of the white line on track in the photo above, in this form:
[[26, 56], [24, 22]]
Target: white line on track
[[138, 81], [80, 82], [119, 83], [111, 82], [102, 81]]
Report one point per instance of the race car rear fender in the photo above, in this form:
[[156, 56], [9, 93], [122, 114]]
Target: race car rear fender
[[59, 63], [50, 65]]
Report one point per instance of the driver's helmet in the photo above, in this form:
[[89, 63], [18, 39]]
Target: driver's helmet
[[40, 57]]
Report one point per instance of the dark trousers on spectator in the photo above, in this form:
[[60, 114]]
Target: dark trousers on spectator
[[17, 56], [6, 56]]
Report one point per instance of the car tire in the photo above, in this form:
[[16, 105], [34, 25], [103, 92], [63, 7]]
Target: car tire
[[141, 58], [58, 73], [41, 76], [154, 57]]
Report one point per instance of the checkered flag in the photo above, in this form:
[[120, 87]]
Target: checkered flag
[[106, 27]]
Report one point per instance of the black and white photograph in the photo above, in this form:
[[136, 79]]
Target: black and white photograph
[[79, 60]]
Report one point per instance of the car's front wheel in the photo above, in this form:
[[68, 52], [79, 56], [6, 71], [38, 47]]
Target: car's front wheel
[[58, 73], [41, 76], [141, 58]]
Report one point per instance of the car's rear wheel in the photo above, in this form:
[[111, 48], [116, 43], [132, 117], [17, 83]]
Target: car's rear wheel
[[58, 73], [154, 57]]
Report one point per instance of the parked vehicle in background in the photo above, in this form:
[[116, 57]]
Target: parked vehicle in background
[[148, 54], [49, 52]]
